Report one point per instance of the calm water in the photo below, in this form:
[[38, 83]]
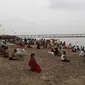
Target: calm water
[[74, 41]]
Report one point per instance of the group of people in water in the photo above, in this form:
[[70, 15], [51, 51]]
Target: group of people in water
[[55, 48]]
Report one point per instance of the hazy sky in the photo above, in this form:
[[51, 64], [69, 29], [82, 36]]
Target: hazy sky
[[42, 16]]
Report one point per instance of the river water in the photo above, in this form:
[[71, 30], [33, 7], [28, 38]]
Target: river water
[[74, 41]]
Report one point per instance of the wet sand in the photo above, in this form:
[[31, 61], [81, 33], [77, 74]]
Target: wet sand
[[54, 72]]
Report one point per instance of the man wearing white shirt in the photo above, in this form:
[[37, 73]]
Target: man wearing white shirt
[[63, 57], [82, 54]]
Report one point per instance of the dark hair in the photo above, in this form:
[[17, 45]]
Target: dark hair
[[15, 50], [32, 54], [4, 47], [64, 52]]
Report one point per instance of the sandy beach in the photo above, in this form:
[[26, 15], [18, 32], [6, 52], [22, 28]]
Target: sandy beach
[[54, 72]]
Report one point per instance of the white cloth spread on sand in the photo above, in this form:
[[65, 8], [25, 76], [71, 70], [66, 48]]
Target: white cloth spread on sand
[[82, 53]]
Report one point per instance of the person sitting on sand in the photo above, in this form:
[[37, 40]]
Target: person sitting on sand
[[28, 46], [14, 56], [52, 51], [63, 57], [33, 64], [20, 44], [82, 53], [17, 53], [56, 52], [70, 46], [78, 49], [4, 50], [38, 46], [20, 51], [74, 49]]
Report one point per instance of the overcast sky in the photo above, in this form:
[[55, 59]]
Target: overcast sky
[[42, 16]]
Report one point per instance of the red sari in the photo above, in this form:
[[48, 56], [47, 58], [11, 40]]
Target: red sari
[[34, 66], [51, 50], [21, 44], [73, 50], [28, 46]]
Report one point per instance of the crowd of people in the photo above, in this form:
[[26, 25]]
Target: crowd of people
[[55, 48]]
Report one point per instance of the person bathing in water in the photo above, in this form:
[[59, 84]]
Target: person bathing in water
[[63, 57], [33, 64]]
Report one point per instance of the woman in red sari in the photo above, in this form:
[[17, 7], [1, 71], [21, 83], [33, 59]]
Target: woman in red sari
[[33, 64], [28, 46], [21, 44]]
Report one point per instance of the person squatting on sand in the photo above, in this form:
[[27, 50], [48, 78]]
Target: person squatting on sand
[[33, 64], [63, 57]]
